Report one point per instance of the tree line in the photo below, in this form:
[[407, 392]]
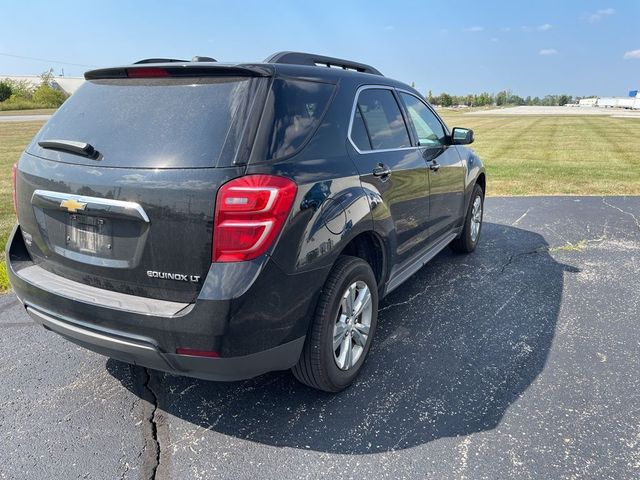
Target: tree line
[[24, 95], [504, 97]]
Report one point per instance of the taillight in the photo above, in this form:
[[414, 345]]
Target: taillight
[[147, 72], [14, 174], [250, 213]]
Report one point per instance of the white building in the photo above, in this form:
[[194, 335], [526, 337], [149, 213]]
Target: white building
[[611, 102], [66, 84], [588, 102], [619, 102]]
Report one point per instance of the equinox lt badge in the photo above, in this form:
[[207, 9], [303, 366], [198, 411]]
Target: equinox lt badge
[[183, 277]]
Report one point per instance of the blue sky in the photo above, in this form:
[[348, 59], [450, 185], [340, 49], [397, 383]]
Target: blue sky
[[533, 48]]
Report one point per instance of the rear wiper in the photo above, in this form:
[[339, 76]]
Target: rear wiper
[[69, 146]]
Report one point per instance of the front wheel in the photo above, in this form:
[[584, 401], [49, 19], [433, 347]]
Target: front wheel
[[468, 239], [343, 327]]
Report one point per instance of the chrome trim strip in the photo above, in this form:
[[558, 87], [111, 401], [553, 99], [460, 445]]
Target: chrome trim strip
[[107, 204], [86, 335], [39, 278], [353, 114]]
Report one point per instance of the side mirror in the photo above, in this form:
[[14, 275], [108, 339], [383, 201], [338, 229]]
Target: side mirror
[[461, 136]]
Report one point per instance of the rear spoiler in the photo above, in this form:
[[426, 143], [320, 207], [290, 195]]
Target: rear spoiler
[[183, 70]]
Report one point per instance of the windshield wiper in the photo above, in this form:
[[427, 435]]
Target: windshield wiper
[[77, 148]]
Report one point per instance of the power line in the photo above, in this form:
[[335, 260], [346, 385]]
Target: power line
[[22, 57]]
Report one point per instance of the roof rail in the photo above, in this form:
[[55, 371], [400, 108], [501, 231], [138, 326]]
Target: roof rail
[[158, 60], [300, 58], [200, 58]]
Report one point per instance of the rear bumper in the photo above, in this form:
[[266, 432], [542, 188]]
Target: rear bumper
[[145, 352], [255, 333]]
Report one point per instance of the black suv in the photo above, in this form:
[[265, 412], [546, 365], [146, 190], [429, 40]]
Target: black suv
[[225, 220]]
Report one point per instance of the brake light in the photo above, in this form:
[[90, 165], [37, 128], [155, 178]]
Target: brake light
[[250, 213], [14, 174], [147, 72]]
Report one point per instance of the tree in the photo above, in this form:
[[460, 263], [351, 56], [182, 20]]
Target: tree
[[21, 89], [564, 99], [5, 91], [502, 97], [46, 95], [430, 98], [445, 100]]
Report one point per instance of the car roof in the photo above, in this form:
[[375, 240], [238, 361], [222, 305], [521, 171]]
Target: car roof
[[282, 64]]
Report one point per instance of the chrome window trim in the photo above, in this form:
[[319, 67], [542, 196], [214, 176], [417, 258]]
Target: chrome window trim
[[353, 114]]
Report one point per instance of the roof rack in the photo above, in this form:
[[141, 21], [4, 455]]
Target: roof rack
[[158, 60], [300, 58], [200, 58], [197, 58]]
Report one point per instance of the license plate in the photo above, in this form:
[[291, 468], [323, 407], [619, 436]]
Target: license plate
[[89, 234]]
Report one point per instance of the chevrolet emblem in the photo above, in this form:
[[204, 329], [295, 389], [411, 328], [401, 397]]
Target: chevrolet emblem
[[72, 205]]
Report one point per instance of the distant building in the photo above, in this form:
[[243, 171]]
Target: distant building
[[66, 84], [588, 102], [618, 102], [611, 102]]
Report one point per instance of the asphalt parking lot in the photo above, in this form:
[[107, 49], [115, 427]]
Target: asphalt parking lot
[[518, 361]]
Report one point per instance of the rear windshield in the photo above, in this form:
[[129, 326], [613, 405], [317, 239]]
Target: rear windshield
[[160, 123]]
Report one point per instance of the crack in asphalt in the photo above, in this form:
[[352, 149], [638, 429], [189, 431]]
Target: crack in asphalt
[[515, 256], [622, 211], [501, 270], [151, 460]]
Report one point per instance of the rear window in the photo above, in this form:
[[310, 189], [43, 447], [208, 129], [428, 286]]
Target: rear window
[[153, 122]]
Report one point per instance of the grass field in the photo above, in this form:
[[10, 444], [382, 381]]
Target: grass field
[[524, 155], [14, 137], [544, 155]]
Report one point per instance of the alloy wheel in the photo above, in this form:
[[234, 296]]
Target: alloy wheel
[[476, 218], [353, 322]]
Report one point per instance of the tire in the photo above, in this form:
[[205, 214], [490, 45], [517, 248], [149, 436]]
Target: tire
[[467, 241], [320, 365]]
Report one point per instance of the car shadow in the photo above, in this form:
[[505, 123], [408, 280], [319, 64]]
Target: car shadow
[[456, 345]]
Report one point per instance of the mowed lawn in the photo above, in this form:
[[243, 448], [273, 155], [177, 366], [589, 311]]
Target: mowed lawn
[[524, 155], [14, 137], [545, 155]]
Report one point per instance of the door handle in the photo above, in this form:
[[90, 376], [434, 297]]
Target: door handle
[[434, 166], [381, 171]]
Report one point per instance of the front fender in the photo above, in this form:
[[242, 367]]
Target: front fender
[[473, 169]]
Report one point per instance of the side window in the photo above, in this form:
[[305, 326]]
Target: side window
[[382, 119], [359, 133], [428, 128], [295, 108]]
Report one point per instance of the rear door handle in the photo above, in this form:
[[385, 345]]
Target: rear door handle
[[434, 166], [381, 171]]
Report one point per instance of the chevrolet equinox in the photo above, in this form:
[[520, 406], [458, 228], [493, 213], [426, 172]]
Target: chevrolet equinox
[[225, 220]]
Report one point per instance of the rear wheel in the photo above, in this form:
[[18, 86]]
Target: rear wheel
[[343, 327], [468, 239]]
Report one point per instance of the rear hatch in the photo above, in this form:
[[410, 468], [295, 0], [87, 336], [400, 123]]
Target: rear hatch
[[117, 190]]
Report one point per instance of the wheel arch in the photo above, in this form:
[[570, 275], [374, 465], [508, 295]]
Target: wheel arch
[[370, 247], [482, 181]]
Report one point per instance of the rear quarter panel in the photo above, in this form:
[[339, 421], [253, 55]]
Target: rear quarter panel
[[331, 206]]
